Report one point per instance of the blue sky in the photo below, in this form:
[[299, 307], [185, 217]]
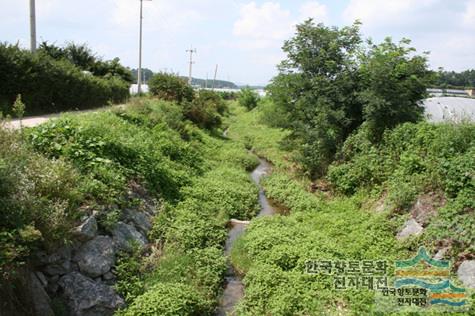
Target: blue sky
[[243, 37]]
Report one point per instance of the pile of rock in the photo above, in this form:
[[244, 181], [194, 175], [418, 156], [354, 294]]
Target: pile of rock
[[83, 274]]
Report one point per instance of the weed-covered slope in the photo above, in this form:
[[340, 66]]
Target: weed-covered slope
[[273, 252]]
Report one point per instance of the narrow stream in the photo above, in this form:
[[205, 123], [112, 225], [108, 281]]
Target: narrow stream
[[234, 289]]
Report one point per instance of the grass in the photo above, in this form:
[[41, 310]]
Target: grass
[[272, 254]]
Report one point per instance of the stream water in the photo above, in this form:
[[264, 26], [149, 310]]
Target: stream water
[[234, 289]]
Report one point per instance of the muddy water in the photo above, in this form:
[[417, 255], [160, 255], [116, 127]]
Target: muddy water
[[234, 289]]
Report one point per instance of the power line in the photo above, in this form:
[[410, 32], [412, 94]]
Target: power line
[[191, 51]]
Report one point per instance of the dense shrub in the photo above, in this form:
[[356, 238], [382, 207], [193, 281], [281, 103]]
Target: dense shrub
[[228, 95], [170, 87], [411, 160], [49, 85], [206, 109], [168, 299], [248, 98], [111, 149], [38, 202], [82, 57]]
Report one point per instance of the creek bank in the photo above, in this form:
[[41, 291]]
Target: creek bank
[[82, 275], [234, 288]]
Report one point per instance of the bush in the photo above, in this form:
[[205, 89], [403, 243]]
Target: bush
[[206, 109], [248, 98], [49, 85], [168, 299], [38, 202], [170, 87]]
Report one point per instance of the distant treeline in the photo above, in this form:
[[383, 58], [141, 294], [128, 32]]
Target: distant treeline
[[56, 79], [218, 84], [456, 80]]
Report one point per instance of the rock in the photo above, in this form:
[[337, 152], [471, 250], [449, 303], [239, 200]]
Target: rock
[[411, 228], [140, 220], [238, 222], [441, 253], [466, 273], [96, 257], [41, 300], [426, 207], [41, 277], [87, 230], [125, 236], [89, 298], [58, 263], [108, 276]]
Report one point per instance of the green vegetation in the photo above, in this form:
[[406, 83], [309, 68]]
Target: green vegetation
[[205, 108], [82, 57], [170, 87], [48, 85], [419, 157], [456, 80], [330, 84], [77, 164], [248, 98], [415, 160]]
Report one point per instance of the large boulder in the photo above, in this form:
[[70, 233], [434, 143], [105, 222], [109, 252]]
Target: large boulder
[[411, 228], [126, 236], [96, 257], [466, 273], [87, 230], [58, 263], [88, 298], [140, 220]]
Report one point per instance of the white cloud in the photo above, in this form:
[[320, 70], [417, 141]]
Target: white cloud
[[265, 22], [314, 10], [372, 12], [268, 25], [158, 14], [469, 14]]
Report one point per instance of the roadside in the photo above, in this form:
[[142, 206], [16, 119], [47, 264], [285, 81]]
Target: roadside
[[32, 121]]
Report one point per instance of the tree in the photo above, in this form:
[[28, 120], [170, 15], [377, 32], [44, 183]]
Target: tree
[[82, 57], [248, 98], [316, 87], [395, 81], [170, 87], [331, 83]]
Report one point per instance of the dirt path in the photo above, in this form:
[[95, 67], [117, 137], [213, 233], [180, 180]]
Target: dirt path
[[32, 121]]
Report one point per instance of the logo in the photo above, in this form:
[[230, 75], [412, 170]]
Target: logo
[[424, 272]]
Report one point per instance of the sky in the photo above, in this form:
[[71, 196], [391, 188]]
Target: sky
[[243, 37]]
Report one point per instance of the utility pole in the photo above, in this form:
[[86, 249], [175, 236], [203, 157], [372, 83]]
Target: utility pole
[[206, 82], [139, 71], [191, 51], [215, 74], [32, 26]]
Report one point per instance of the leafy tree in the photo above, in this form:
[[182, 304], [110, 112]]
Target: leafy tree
[[395, 81], [452, 79], [331, 83], [248, 98], [82, 57], [317, 87], [170, 87]]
